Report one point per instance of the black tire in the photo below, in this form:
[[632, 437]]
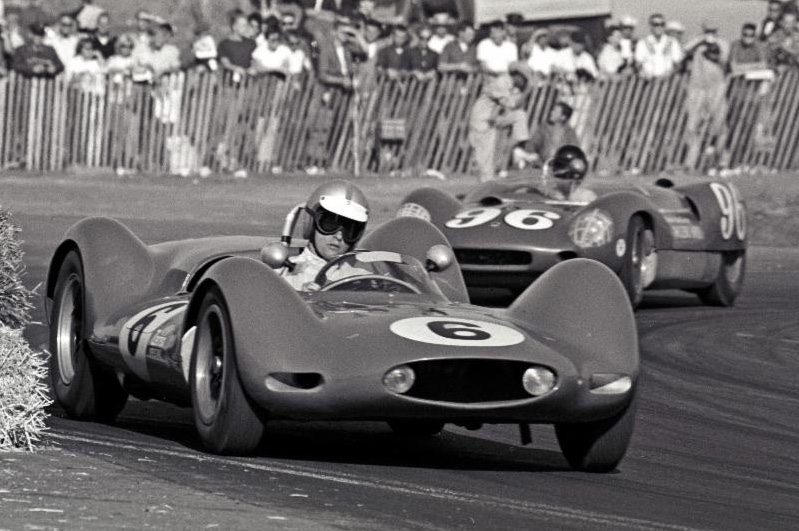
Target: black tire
[[729, 282], [85, 389], [597, 446], [416, 428], [226, 421], [640, 243]]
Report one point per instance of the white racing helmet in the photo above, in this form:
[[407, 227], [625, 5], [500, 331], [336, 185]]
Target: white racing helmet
[[337, 206]]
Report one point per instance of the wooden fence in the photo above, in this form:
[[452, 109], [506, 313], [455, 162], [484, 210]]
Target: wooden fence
[[402, 126]]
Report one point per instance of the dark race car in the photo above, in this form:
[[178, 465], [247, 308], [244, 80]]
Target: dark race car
[[208, 323], [507, 233]]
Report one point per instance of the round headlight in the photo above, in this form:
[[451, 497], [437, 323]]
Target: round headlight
[[399, 379], [538, 380], [592, 228], [414, 210]]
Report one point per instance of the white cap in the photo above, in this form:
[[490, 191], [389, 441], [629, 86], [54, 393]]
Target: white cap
[[628, 21]]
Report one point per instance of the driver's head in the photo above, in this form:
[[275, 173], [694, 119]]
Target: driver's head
[[340, 212], [568, 166]]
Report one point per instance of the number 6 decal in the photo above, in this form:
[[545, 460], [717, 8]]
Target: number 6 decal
[[456, 332], [733, 212]]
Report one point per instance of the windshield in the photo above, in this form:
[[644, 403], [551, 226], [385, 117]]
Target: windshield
[[378, 271]]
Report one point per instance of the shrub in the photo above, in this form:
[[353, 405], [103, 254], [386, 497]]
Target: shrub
[[15, 299]]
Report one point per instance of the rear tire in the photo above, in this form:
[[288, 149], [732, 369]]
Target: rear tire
[[416, 428], [84, 388], [640, 260], [729, 283], [226, 421], [597, 446]]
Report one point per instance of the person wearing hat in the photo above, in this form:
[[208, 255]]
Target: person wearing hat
[[460, 55], [496, 53], [441, 24], [628, 25], [541, 54], [160, 56], [35, 58], [657, 54], [676, 30]]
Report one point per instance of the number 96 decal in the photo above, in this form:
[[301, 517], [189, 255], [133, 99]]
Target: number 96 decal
[[456, 332], [525, 218], [733, 212]]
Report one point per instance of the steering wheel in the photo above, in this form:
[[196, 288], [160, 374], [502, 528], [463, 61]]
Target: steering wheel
[[372, 283]]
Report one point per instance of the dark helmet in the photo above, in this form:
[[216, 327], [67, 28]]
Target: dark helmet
[[336, 206], [569, 163]]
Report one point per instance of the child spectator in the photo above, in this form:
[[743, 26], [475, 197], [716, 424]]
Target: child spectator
[[65, 39], [102, 39], [120, 65], [461, 54], [86, 70], [35, 58], [496, 53], [441, 23], [273, 56], [235, 52]]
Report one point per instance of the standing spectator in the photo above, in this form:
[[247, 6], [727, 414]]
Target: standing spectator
[[547, 138], [461, 54], [497, 106], [273, 56], [542, 55], [144, 22], [574, 61], [256, 27], [102, 39], [35, 58], [120, 65], [203, 49], [747, 54], [783, 44], [771, 23], [710, 35], [423, 60], [657, 54], [12, 35], [65, 39], [337, 62], [159, 57], [441, 23], [611, 61], [676, 30], [299, 62], [512, 23], [394, 57], [235, 52], [705, 103], [628, 40], [496, 53], [86, 68], [86, 16]]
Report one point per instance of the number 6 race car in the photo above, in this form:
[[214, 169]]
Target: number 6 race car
[[507, 233], [208, 323]]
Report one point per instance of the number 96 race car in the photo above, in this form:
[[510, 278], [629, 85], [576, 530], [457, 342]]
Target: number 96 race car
[[386, 334], [507, 233]]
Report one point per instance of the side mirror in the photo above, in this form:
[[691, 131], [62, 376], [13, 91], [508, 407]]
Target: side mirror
[[275, 255], [439, 258]]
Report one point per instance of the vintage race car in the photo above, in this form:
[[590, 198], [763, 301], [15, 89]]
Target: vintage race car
[[507, 233], [389, 335]]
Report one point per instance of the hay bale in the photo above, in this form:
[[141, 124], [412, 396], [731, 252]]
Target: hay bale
[[15, 299], [23, 392]]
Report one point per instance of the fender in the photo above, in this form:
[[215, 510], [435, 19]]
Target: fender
[[266, 313], [582, 302], [439, 206], [722, 214], [414, 236], [117, 266], [624, 204]]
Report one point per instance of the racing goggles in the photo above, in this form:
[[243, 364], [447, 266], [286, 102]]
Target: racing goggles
[[328, 223]]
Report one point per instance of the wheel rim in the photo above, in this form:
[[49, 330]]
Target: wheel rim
[[733, 270], [209, 366], [69, 329]]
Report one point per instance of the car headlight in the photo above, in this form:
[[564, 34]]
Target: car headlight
[[399, 379], [610, 384], [593, 228], [413, 210], [538, 380]]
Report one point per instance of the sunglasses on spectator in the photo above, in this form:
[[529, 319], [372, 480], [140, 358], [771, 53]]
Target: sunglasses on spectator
[[748, 35], [657, 24], [327, 223]]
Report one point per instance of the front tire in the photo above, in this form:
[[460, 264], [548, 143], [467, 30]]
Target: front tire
[[597, 446], [85, 389], [226, 421], [640, 260], [729, 283]]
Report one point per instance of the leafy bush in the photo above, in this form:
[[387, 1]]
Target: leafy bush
[[15, 299]]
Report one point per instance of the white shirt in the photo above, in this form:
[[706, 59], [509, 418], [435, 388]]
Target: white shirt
[[268, 60], [610, 60], [541, 59], [497, 59], [658, 57], [627, 49], [567, 62], [298, 62], [437, 43], [65, 47], [87, 73]]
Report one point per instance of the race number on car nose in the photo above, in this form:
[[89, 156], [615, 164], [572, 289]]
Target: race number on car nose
[[456, 332]]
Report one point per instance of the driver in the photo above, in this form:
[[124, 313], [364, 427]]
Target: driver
[[339, 213], [567, 170]]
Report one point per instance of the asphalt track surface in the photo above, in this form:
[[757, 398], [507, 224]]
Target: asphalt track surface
[[716, 444]]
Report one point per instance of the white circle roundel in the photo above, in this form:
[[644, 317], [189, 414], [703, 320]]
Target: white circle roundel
[[456, 332]]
